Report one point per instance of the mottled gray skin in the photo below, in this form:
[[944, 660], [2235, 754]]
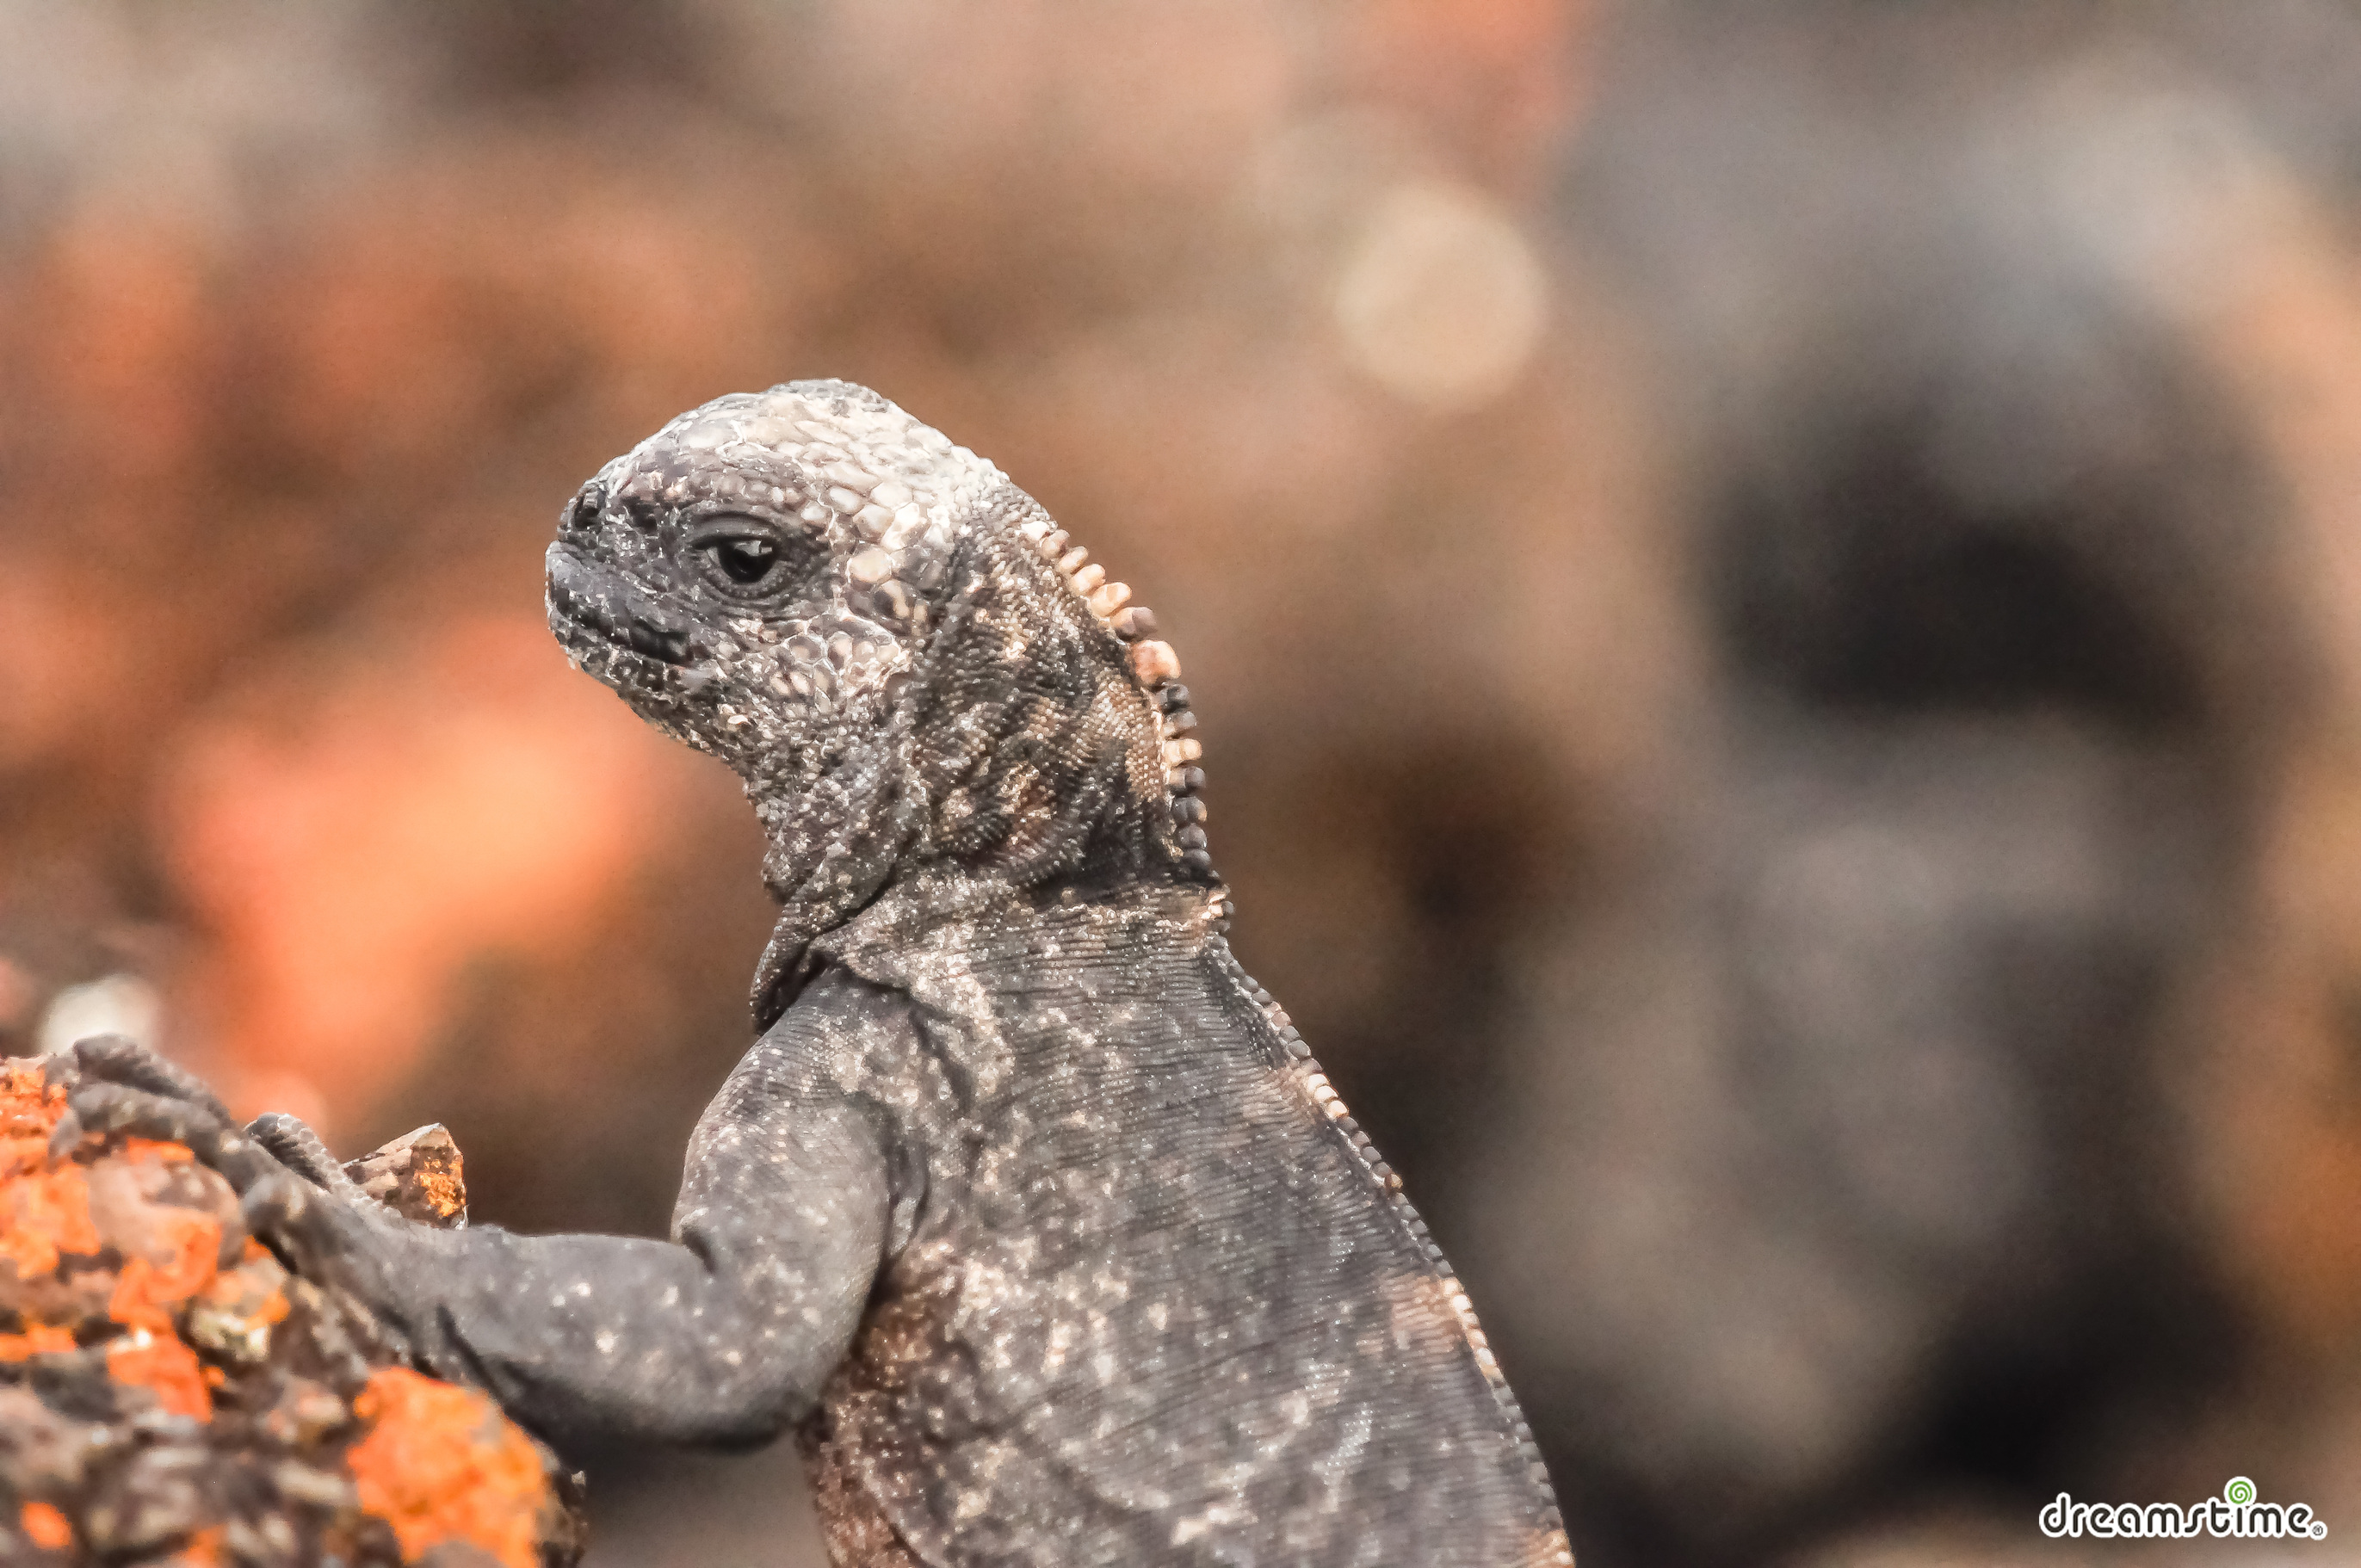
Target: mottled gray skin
[[1028, 1208]]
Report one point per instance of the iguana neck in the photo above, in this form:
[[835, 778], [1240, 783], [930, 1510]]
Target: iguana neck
[[1031, 750]]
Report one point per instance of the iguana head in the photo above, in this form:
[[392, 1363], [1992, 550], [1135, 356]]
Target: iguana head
[[896, 649]]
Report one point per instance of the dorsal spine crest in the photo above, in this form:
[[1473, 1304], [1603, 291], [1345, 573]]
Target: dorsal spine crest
[[1158, 669]]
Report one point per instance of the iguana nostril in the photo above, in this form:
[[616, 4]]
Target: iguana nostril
[[582, 512]]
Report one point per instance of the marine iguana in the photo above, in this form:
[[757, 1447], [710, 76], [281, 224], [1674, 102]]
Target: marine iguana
[[1029, 1210]]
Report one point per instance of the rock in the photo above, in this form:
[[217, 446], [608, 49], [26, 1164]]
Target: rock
[[418, 1176], [169, 1394]]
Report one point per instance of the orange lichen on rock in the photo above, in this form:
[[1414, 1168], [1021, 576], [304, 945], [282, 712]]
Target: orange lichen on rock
[[129, 1260], [144, 1289], [49, 1212], [44, 1210], [26, 1090], [441, 1463], [444, 1191], [166, 1369], [247, 1300], [139, 1148], [45, 1214], [30, 1111], [45, 1527]]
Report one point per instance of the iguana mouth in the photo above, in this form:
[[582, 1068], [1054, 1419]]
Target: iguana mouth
[[603, 604]]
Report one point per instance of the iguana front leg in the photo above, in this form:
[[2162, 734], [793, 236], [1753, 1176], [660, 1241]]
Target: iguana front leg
[[724, 1334]]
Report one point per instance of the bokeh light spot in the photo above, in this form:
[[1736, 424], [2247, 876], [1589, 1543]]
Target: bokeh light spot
[[1442, 301]]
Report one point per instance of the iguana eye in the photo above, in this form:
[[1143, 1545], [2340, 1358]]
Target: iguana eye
[[742, 556], [745, 561]]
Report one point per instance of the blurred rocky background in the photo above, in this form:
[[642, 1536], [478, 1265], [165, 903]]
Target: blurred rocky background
[[1775, 591]]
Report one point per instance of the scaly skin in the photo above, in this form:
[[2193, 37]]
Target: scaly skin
[[1028, 1208]]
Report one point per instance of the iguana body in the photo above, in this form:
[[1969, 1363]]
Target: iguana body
[[1028, 1205]]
